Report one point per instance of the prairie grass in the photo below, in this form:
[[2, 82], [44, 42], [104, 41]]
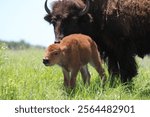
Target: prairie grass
[[24, 77]]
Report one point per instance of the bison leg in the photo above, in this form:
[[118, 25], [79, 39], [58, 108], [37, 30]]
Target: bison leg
[[128, 68], [85, 74], [113, 69], [66, 78], [73, 78]]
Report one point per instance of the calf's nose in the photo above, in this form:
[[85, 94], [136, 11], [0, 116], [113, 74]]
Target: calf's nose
[[45, 61]]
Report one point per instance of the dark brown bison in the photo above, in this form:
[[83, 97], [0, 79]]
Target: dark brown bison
[[121, 28], [73, 53]]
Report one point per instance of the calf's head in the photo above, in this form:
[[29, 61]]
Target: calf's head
[[68, 17], [53, 55]]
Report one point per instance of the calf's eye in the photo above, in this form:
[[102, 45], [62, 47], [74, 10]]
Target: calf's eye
[[56, 53]]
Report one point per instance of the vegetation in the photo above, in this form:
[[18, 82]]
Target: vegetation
[[18, 45], [23, 76]]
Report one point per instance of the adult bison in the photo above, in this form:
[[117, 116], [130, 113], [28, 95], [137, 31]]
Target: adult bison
[[121, 28]]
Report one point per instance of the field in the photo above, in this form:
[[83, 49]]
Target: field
[[24, 77]]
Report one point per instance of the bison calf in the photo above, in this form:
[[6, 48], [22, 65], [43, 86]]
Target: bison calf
[[73, 53]]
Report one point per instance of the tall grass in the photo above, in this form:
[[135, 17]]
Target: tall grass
[[3, 47], [23, 76]]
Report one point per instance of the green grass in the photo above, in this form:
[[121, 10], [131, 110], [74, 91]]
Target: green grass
[[24, 77]]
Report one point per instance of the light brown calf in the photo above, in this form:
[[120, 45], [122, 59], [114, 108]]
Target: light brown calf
[[73, 53]]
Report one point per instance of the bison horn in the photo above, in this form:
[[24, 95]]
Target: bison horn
[[46, 8], [86, 8]]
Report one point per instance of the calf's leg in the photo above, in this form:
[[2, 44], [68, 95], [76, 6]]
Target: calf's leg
[[96, 63], [74, 73], [66, 77], [85, 74]]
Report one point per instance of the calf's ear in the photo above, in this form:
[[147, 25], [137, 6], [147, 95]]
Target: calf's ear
[[63, 48]]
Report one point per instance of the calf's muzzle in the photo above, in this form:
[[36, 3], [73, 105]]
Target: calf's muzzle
[[45, 62]]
